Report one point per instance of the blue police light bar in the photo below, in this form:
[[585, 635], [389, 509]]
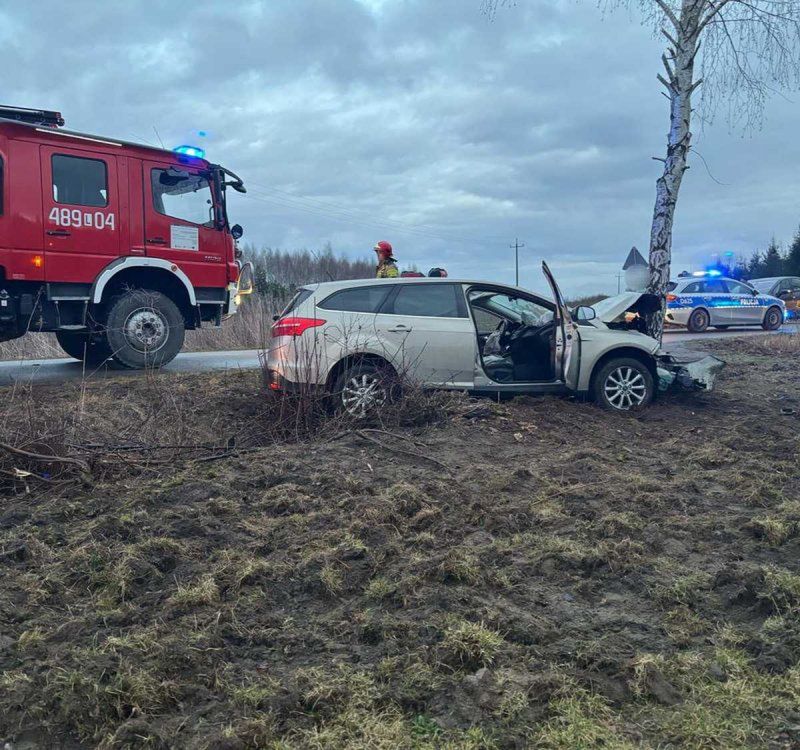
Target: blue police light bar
[[714, 272], [193, 151]]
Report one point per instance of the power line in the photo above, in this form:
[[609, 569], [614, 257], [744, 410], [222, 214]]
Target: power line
[[517, 245]]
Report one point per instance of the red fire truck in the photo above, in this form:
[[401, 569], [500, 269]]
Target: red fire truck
[[116, 247]]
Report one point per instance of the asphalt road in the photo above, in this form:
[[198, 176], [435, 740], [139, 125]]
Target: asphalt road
[[57, 370]]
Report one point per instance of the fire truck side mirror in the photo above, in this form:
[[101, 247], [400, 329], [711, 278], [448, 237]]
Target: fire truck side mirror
[[237, 231]]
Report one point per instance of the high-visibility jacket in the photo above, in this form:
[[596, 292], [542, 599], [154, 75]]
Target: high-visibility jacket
[[387, 269]]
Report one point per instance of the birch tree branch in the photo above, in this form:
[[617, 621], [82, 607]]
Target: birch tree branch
[[715, 11], [669, 14]]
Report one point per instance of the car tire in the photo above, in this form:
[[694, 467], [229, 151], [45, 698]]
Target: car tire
[[363, 389], [623, 384], [144, 328], [773, 319], [698, 321], [83, 346]]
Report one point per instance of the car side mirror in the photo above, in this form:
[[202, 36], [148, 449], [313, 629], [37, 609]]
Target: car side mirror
[[585, 313], [237, 231], [755, 292]]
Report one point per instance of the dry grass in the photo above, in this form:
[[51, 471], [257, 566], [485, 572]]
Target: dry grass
[[248, 329], [205, 573], [770, 345]]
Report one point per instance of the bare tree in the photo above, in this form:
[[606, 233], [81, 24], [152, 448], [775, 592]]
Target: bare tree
[[736, 52]]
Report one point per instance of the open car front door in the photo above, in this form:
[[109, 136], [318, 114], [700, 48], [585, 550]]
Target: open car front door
[[566, 355]]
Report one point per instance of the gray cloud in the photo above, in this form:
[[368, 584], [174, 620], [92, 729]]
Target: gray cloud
[[414, 121]]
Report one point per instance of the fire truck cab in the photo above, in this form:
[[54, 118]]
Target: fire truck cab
[[118, 248]]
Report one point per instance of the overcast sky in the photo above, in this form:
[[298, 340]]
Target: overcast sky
[[416, 121]]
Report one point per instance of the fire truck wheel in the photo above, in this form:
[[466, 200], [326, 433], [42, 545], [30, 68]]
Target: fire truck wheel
[[145, 328], [79, 345]]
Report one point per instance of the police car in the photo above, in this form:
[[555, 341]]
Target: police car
[[709, 299]]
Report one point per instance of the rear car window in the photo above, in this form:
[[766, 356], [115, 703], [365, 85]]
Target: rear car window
[[363, 299], [429, 300], [671, 285], [298, 299], [692, 288]]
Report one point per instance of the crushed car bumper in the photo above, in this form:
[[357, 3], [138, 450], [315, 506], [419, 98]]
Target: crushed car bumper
[[692, 370]]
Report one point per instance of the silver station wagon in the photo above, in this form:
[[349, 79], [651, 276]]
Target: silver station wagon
[[355, 340]]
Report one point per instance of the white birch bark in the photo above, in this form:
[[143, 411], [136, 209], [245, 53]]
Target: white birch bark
[[680, 83]]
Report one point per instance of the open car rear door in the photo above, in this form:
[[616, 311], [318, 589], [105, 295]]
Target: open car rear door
[[566, 355]]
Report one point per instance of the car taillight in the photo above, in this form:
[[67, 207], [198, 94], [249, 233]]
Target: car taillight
[[295, 326], [671, 297]]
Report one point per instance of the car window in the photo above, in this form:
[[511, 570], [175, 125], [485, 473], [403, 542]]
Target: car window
[[78, 181], [693, 288], [183, 196], [518, 309], [671, 286], [789, 285], [298, 299], [365, 299], [429, 300], [714, 286], [486, 321], [736, 287], [763, 285]]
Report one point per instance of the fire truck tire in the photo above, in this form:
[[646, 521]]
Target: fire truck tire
[[78, 345], [144, 328]]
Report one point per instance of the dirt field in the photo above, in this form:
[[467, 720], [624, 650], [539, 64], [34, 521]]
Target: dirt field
[[195, 571]]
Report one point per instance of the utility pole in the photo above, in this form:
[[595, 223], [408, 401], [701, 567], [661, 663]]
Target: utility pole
[[517, 245], [619, 278]]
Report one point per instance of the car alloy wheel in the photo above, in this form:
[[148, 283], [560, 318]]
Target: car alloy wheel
[[773, 319], [698, 321], [363, 393], [625, 388]]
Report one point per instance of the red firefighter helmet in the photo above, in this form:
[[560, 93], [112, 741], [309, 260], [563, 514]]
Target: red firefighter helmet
[[383, 248]]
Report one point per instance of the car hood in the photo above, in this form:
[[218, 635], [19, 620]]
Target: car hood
[[611, 308]]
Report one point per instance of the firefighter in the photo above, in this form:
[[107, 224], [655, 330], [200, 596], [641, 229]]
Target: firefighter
[[387, 265]]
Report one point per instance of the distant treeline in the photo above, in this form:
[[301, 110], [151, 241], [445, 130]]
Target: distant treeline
[[774, 261], [278, 273]]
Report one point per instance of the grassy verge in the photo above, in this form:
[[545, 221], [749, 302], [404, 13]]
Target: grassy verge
[[198, 567]]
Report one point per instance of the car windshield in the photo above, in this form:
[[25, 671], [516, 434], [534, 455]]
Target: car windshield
[[763, 285], [519, 310]]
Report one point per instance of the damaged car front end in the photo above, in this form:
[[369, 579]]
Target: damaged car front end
[[695, 371], [682, 368]]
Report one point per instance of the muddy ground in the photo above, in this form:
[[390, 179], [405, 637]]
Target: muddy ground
[[202, 568]]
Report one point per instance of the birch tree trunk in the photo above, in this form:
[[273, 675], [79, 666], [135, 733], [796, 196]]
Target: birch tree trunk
[[680, 84]]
